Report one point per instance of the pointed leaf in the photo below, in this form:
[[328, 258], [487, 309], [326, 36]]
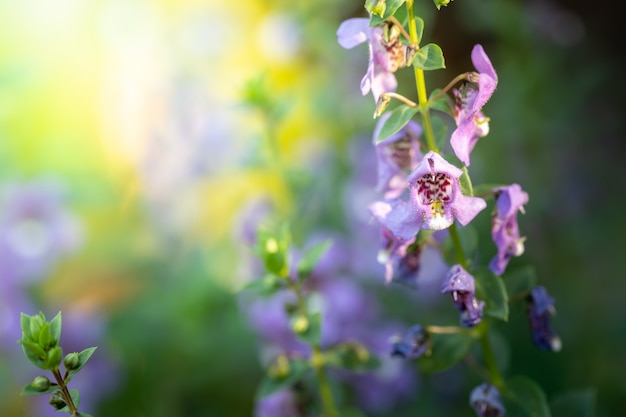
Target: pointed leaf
[[445, 351], [525, 394], [55, 328], [311, 258], [490, 288], [34, 353], [398, 118], [25, 325], [429, 57], [575, 403], [29, 389]]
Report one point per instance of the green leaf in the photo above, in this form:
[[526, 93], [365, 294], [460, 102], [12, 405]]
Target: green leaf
[[45, 337], [34, 353], [445, 351], [25, 325], [443, 126], [469, 241], [443, 103], [311, 258], [271, 384], [53, 358], [313, 330], [466, 183], [490, 288], [391, 7], [575, 403], [267, 285], [527, 395], [352, 356], [520, 280], [55, 328], [83, 357], [429, 57], [398, 118], [29, 389]]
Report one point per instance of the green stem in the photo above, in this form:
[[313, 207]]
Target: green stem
[[458, 248], [489, 357], [317, 359], [66, 394], [326, 393], [420, 83]]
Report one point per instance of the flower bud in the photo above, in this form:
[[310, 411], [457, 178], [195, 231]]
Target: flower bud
[[40, 383], [280, 368], [54, 358], [71, 361], [300, 324], [376, 7], [56, 400], [411, 52]]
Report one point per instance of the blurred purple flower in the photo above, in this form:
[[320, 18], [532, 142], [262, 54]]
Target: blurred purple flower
[[435, 200], [387, 53], [485, 400], [36, 229], [505, 232], [540, 307], [470, 99], [461, 284], [279, 404], [397, 156], [412, 345]]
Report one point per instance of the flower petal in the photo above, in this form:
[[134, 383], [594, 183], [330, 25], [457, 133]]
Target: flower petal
[[353, 32]]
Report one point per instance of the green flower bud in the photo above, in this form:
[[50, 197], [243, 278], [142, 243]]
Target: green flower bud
[[54, 358], [71, 361], [40, 383], [56, 400], [376, 7], [280, 368], [300, 324], [381, 104]]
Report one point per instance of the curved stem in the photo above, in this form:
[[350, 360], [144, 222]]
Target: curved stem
[[456, 79], [420, 83], [66, 394]]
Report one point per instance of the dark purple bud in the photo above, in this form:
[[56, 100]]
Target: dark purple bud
[[485, 400], [540, 307], [413, 345], [460, 284]]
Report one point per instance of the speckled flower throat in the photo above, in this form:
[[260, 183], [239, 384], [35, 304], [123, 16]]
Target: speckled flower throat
[[434, 189]]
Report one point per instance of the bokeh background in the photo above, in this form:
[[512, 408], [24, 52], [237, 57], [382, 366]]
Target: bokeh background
[[141, 141]]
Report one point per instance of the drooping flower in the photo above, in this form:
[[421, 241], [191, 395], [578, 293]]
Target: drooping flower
[[412, 345], [504, 228], [435, 200], [397, 156], [540, 307], [461, 285], [470, 99], [387, 53], [485, 400]]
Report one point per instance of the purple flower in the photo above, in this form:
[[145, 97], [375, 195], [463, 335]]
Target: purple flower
[[470, 99], [435, 200], [485, 400], [397, 156], [413, 345], [36, 229], [387, 53], [504, 231], [461, 284], [279, 404], [540, 307]]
